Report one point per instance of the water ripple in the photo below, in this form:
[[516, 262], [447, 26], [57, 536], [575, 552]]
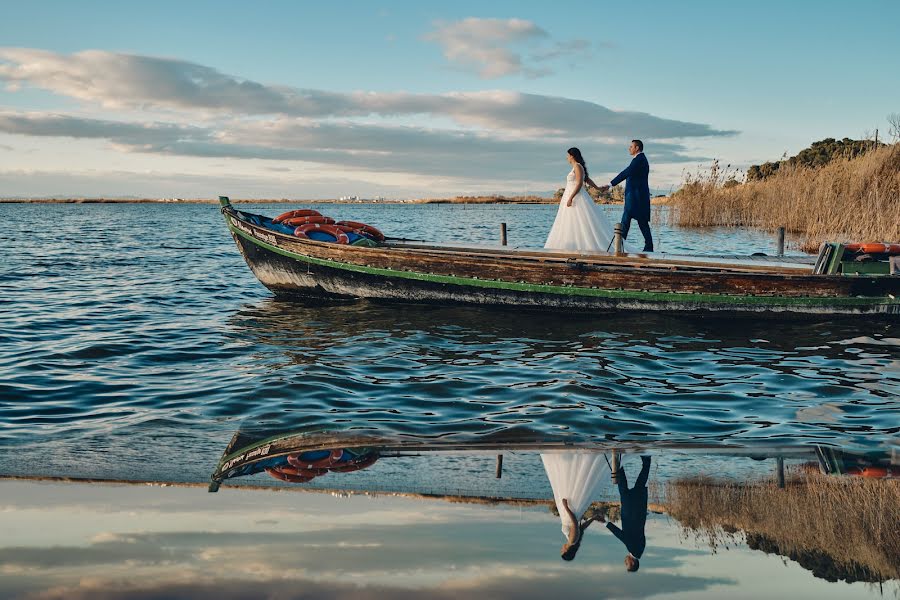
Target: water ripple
[[117, 340]]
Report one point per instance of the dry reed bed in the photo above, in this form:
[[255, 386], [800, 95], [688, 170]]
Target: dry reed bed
[[856, 199], [853, 522]]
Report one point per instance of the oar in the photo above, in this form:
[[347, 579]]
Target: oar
[[400, 239]]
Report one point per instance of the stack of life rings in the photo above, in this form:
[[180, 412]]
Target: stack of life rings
[[312, 225], [306, 466]]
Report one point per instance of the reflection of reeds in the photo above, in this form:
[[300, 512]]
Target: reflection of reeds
[[838, 527], [855, 199]]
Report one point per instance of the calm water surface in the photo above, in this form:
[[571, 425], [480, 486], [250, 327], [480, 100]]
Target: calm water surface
[[134, 341]]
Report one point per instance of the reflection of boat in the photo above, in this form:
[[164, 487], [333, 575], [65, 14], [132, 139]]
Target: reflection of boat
[[407, 271], [251, 452], [837, 462]]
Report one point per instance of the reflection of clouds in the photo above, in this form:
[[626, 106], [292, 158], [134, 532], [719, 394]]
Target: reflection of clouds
[[509, 586], [466, 557], [391, 547]]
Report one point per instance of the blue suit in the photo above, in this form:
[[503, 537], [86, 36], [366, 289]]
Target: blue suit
[[637, 197]]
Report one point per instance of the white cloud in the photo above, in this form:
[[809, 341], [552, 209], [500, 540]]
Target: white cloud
[[143, 82], [495, 48], [349, 145], [505, 139]]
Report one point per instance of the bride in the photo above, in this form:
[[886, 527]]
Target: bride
[[580, 224], [575, 478]]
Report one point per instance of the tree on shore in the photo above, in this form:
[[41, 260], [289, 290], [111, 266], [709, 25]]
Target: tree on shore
[[817, 155]]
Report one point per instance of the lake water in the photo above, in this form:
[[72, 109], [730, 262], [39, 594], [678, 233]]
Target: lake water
[[134, 342], [138, 328]]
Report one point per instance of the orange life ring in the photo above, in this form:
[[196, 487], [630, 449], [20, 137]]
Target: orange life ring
[[339, 236], [296, 221], [874, 248], [368, 230], [333, 457], [305, 212]]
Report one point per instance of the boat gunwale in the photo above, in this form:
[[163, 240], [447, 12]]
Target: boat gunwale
[[607, 260]]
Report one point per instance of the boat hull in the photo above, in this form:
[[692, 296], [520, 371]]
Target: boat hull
[[301, 269]]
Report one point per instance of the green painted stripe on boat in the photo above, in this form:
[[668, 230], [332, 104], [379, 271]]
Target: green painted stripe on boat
[[572, 291]]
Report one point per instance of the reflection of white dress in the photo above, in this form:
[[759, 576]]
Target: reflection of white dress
[[575, 476], [582, 226]]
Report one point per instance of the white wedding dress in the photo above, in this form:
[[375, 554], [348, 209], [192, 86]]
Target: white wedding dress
[[575, 476], [582, 226]]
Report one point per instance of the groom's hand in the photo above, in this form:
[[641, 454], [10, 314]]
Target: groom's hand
[[603, 188]]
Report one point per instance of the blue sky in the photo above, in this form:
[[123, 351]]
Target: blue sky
[[409, 99]]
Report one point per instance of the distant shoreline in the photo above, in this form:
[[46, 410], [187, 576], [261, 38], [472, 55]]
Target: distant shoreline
[[466, 200]]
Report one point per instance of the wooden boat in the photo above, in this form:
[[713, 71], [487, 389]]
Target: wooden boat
[[515, 277]]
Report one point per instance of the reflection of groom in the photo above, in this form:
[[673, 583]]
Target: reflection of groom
[[637, 193], [634, 514]]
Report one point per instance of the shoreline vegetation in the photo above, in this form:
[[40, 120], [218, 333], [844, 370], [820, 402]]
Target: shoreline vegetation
[[831, 191], [840, 528], [454, 200]]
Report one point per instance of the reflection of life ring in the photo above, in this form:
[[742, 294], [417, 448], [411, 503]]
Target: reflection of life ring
[[874, 472], [367, 230], [874, 248], [296, 221], [306, 212], [280, 473], [305, 461], [339, 236], [365, 461]]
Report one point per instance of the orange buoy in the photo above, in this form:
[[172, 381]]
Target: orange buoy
[[874, 248], [305, 212], [296, 221], [367, 230], [339, 236]]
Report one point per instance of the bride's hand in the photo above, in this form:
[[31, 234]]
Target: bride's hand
[[569, 203]]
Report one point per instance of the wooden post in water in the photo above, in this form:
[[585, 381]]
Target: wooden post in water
[[499, 470], [617, 240], [781, 241], [502, 234], [779, 462]]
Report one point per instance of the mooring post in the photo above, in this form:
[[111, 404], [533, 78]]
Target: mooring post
[[502, 234], [499, 471], [617, 239], [614, 467], [779, 462], [781, 241]]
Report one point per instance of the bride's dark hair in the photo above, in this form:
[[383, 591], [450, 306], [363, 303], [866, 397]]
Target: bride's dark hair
[[576, 154]]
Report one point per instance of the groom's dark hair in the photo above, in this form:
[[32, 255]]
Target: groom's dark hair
[[639, 143]]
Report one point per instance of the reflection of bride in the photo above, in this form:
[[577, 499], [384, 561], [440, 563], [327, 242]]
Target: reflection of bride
[[575, 479]]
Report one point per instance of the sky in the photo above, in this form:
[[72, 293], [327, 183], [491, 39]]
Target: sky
[[403, 99]]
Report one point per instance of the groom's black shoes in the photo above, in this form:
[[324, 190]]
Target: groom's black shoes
[[648, 249]]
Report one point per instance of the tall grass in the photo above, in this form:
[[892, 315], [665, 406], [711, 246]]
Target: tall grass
[[850, 523], [853, 199]]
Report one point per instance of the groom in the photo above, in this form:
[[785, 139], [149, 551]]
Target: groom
[[637, 193]]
